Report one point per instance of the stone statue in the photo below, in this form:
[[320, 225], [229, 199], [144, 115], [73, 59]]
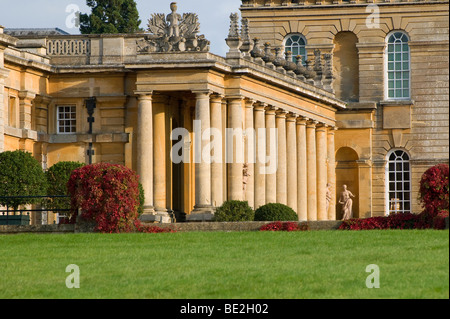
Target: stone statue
[[173, 20], [328, 195], [346, 201], [174, 33], [246, 174]]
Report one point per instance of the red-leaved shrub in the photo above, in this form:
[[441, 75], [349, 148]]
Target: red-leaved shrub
[[106, 194], [434, 189], [423, 220], [284, 226]]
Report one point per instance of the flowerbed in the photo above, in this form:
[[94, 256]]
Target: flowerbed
[[284, 226], [397, 221]]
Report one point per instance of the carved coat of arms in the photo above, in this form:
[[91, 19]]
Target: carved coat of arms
[[174, 33]]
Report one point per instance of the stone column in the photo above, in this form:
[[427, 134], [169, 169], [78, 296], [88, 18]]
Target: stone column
[[331, 173], [260, 144], [302, 171], [160, 155], [203, 209], [321, 153], [145, 152], [282, 163], [312, 173], [235, 146], [250, 154], [217, 181], [271, 175], [291, 167]]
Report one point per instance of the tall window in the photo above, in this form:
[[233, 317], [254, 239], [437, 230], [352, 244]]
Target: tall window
[[66, 119], [398, 67], [296, 43], [398, 179]]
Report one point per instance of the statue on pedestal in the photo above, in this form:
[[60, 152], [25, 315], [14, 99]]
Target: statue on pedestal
[[347, 203]]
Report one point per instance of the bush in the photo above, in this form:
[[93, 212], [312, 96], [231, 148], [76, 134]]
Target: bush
[[434, 189], [234, 211], [284, 226], [57, 178], [423, 220], [21, 175], [275, 212], [141, 200], [107, 194]]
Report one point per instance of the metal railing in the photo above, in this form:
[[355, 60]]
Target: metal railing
[[41, 207]]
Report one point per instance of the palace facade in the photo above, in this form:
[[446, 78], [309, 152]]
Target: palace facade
[[356, 91]]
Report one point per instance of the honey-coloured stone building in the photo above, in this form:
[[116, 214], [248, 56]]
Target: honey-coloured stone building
[[355, 91]]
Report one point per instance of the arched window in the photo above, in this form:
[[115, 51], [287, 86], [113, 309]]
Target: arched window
[[398, 66], [398, 182], [296, 44]]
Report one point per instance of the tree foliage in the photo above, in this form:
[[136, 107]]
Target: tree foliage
[[57, 178], [20, 175], [110, 16]]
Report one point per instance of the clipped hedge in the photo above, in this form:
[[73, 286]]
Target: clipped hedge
[[275, 212], [234, 211]]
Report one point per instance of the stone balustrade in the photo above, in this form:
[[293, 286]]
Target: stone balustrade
[[68, 47]]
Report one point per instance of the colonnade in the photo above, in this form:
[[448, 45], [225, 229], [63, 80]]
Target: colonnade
[[304, 153]]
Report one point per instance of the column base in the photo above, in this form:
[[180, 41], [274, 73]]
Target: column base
[[201, 214], [152, 215]]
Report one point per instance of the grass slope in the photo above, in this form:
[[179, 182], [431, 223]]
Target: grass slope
[[263, 265]]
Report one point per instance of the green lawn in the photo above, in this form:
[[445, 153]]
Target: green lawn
[[265, 265]]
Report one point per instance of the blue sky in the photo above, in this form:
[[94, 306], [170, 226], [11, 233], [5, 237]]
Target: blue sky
[[213, 15]]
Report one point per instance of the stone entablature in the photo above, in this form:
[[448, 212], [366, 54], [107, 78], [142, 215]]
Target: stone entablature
[[328, 3]]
